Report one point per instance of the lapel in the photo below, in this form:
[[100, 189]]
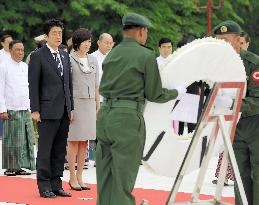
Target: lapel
[[51, 60]]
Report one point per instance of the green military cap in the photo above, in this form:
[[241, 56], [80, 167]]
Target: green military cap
[[133, 19], [227, 27]]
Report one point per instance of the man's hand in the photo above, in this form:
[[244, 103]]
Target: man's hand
[[4, 116], [36, 116]]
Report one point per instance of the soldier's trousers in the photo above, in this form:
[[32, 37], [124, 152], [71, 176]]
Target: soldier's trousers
[[246, 148], [121, 138]]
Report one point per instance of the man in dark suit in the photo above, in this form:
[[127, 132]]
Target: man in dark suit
[[51, 101]]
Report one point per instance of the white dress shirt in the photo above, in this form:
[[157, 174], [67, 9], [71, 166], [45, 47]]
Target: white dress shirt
[[100, 58], [14, 90], [58, 55], [160, 61], [4, 55]]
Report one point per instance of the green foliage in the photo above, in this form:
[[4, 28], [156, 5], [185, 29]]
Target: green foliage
[[170, 18], [249, 12]]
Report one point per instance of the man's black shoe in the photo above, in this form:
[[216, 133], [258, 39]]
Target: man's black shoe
[[47, 194], [62, 193]]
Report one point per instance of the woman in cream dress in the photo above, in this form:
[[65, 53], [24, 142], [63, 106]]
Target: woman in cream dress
[[86, 104]]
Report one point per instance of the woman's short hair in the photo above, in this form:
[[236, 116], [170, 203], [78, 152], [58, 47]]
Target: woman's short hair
[[79, 36]]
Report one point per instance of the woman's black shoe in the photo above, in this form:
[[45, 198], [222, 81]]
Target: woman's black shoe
[[75, 188], [85, 188]]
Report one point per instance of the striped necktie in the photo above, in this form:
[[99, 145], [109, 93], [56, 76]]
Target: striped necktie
[[58, 63]]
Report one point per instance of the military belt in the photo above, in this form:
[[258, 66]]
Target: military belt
[[119, 103]]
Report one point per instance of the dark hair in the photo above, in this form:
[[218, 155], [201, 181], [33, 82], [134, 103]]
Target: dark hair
[[69, 48], [79, 36], [51, 23], [246, 36], [164, 40], [13, 42], [5, 37], [185, 40], [68, 35]]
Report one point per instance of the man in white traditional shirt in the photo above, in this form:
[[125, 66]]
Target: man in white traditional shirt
[[17, 145], [4, 52], [105, 44], [165, 49]]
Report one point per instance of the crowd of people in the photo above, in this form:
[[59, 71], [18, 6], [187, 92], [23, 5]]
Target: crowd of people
[[42, 90], [73, 97]]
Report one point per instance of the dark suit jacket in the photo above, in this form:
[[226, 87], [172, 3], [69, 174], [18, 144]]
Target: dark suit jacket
[[49, 92]]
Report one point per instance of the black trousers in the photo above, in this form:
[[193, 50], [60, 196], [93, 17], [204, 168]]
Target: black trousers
[[190, 127], [51, 153]]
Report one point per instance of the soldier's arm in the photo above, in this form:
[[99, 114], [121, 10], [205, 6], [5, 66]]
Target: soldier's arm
[[153, 86]]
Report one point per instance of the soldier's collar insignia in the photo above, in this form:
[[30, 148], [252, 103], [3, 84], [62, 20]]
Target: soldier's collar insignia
[[223, 29]]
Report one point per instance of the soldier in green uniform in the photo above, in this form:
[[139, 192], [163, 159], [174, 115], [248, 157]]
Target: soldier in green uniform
[[130, 76], [246, 142]]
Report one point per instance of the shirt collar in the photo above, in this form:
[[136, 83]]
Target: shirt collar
[[14, 62], [100, 53], [162, 57], [51, 49]]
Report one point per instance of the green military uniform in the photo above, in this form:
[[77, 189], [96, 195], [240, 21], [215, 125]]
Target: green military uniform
[[246, 142], [130, 75]]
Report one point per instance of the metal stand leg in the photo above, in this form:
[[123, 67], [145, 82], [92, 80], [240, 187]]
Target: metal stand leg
[[220, 124], [185, 163], [205, 163], [233, 161]]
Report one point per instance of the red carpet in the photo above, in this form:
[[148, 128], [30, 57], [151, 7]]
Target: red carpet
[[24, 191]]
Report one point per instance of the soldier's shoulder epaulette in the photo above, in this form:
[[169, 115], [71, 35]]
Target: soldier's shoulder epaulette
[[251, 57]]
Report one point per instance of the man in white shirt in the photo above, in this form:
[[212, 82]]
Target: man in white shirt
[[165, 49], [18, 138], [4, 52], [105, 44]]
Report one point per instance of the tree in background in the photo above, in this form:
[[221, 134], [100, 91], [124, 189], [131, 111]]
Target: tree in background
[[249, 13], [170, 18]]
